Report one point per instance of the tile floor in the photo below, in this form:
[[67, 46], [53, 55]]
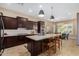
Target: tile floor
[[68, 48]]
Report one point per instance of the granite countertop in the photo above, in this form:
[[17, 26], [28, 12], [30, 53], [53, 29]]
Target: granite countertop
[[41, 37]]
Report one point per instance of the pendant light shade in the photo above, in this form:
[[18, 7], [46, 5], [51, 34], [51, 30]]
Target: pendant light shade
[[52, 17], [41, 13]]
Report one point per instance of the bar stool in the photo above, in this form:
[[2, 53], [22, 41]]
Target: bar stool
[[52, 45], [58, 42]]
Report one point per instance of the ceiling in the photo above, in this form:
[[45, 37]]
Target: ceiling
[[60, 10]]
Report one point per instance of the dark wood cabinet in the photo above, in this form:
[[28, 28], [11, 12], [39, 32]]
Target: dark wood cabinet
[[18, 22], [38, 47], [30, 24], [10, 41], [10, 22], [34, 47], [22, 22], [25, 23], [14, 41], [14, 23], [41, 26]]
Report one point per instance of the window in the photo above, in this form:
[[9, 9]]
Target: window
[[65, 28]]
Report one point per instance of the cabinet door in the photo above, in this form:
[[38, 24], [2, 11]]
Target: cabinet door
[[24, 23], [9, 22], [10, 41], [41, 26], [21, 22], [29, 25]]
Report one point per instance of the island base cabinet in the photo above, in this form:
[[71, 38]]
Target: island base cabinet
[[38, 47], [34, 48]]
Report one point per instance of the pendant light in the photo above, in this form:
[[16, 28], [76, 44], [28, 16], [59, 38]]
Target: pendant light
[[52, 17], [41, 12]]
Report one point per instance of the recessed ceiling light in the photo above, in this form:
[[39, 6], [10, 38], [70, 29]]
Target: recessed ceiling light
[[40, 6]]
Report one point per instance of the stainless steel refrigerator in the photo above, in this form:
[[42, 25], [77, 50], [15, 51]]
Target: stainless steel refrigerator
[[1, 34]]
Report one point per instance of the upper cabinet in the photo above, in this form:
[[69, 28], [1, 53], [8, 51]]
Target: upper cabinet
[[21, 22], [25, 23], [10, 22], [41, 26], [30, 25], [18, 22]]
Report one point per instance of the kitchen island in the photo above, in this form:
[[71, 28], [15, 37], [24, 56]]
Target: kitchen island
[[41, 43], [36, 44]]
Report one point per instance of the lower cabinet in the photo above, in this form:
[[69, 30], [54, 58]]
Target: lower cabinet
[[10, 41], [14, 41]]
